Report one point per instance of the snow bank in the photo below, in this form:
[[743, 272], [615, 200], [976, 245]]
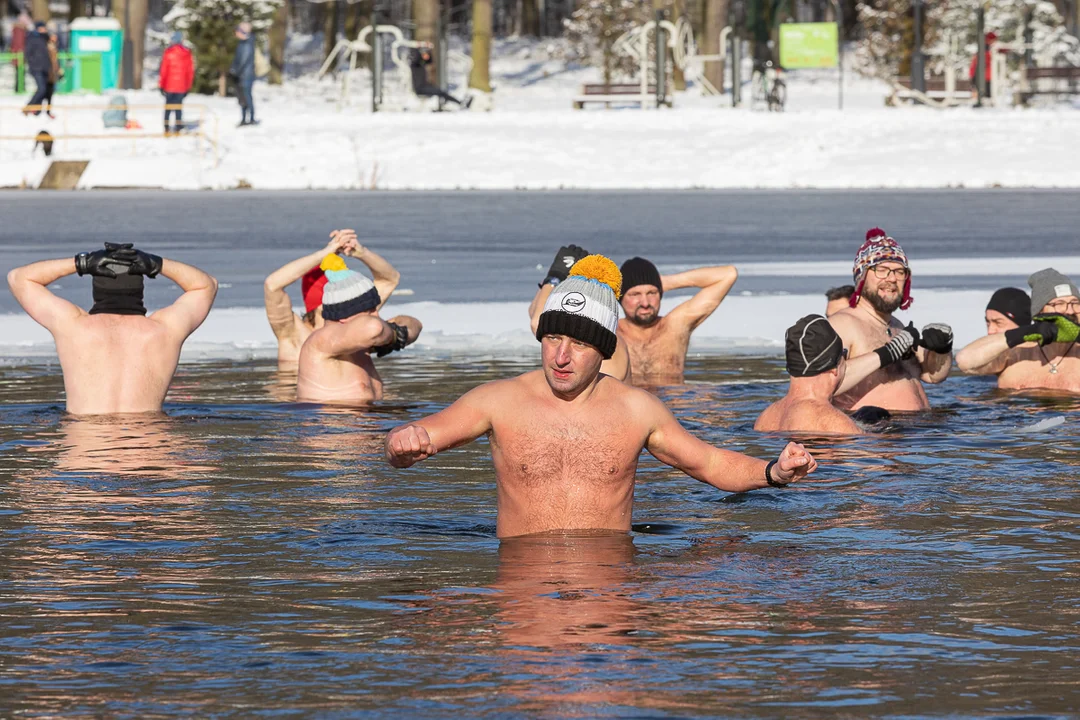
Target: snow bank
[[534, 140], [745, 323]]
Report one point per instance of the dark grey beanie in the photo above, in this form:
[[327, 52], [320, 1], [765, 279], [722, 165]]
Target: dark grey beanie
[[1048, 285]]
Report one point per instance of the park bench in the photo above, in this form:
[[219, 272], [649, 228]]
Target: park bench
[[619, 93], [936, 88], [1062, 80]]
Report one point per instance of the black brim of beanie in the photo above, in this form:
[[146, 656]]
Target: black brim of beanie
[[360, 303], [579, 327]]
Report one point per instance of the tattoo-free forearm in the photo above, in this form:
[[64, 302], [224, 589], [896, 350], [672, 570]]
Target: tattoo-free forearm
[[698, 277], [982, 353], [42, 273], [288, 274], [188, 277]]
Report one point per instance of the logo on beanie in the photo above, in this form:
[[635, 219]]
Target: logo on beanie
[[1062, 290], [573, 302]]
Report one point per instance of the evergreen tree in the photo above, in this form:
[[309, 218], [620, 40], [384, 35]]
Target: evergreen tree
[[210, 27]]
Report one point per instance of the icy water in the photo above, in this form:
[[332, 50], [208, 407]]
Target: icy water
[[249, 557]]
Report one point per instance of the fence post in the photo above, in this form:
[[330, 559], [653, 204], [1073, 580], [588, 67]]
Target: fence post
[[376, 61], [980, 59], [661, 57], [918, 74]]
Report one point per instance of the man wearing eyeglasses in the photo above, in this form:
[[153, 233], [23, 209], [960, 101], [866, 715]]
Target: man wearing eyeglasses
[[908, 357], [1041, 354]]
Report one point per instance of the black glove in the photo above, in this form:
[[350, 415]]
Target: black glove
[[564, 260], [401, 339], [1048, 328], [104, 263], [162, 91], [901, 347], [937, 337], [145, 264]]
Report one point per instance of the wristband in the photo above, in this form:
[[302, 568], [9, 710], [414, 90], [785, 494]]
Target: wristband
[[768, 476], [401, 339]]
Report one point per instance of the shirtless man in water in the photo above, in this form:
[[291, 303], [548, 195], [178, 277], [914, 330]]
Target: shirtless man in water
[[565, 440], [817, 361], [1041, 354], [335, 361], [618, 366], [290, 329], [658, 344], [114, 358], [883, 285]]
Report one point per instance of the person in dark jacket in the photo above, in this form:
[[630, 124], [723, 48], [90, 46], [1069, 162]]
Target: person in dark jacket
[[419, 59], [174, 79], [56, 72], [38, 64], [243, 69]]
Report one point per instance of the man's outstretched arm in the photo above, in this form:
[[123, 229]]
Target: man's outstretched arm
[[715, 283], [29, 284], [725, 470], [191, 308], [986, 356], [465, 420]]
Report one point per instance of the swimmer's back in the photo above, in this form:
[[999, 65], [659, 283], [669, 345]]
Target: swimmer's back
[[117, 363]]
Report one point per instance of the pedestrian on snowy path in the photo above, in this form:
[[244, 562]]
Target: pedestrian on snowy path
[[243, 70], [175, 78], [973, 73], [56, 73], [36, 56]]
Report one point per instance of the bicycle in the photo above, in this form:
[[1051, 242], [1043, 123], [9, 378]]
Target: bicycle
[[769, 87]]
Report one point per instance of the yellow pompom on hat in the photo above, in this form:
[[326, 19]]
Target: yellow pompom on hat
[[333, 261], [601, 269], [585, 306]]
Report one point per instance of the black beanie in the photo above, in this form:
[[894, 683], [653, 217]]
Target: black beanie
[[121, 295], [812, 347], [1013, 303], [639, 271]]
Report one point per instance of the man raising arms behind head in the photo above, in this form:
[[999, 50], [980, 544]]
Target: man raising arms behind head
[[658, 344], [335, 362], [290, 329], [1040, 354], [114, 358], [905, 358], [566, 439]]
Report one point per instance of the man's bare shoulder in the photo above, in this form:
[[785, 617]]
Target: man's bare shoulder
[[823, 418]]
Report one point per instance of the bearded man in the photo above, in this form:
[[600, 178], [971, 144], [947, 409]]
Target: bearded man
[[909, 357]]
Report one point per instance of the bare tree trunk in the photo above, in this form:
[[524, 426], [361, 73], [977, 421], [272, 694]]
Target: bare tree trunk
[[716, 14], [136, 14], [480, 78], [330, 28], [76, 9], [279, 34], [40, 10], [530, 18], [426, 17]]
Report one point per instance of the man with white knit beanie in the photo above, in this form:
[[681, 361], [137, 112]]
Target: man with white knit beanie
[[566, 439], [335, 363]]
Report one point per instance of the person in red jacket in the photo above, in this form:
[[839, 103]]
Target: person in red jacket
[[990, 38], [175, 78]]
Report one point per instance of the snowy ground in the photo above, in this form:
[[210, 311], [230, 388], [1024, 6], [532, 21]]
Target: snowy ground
[[534, 140]]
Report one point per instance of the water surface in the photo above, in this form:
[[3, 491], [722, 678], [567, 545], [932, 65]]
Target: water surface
[[248, 556]]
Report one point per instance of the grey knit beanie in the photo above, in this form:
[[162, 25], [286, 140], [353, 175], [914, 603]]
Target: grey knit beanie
[[1048, 285], [585, 306]]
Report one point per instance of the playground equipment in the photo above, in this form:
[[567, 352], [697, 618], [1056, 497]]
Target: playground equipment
[[398, 93], [641, 44]]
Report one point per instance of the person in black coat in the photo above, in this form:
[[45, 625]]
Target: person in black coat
[[419, 59], [38, 64], [243, 70]]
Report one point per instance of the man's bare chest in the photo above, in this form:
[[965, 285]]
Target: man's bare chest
[[539, 451], [1051, 372]]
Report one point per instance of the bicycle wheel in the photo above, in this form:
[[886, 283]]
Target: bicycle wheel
[[778, 96]]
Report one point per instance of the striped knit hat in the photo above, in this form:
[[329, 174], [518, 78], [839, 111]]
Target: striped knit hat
[[585, 306], [347, 293], [879, 248]]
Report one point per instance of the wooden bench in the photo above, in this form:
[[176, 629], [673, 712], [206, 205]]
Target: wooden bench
[[936, 88], [1067, 75], [620, 93]]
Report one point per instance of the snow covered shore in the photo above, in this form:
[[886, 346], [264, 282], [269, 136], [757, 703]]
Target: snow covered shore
[[534, 140]]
